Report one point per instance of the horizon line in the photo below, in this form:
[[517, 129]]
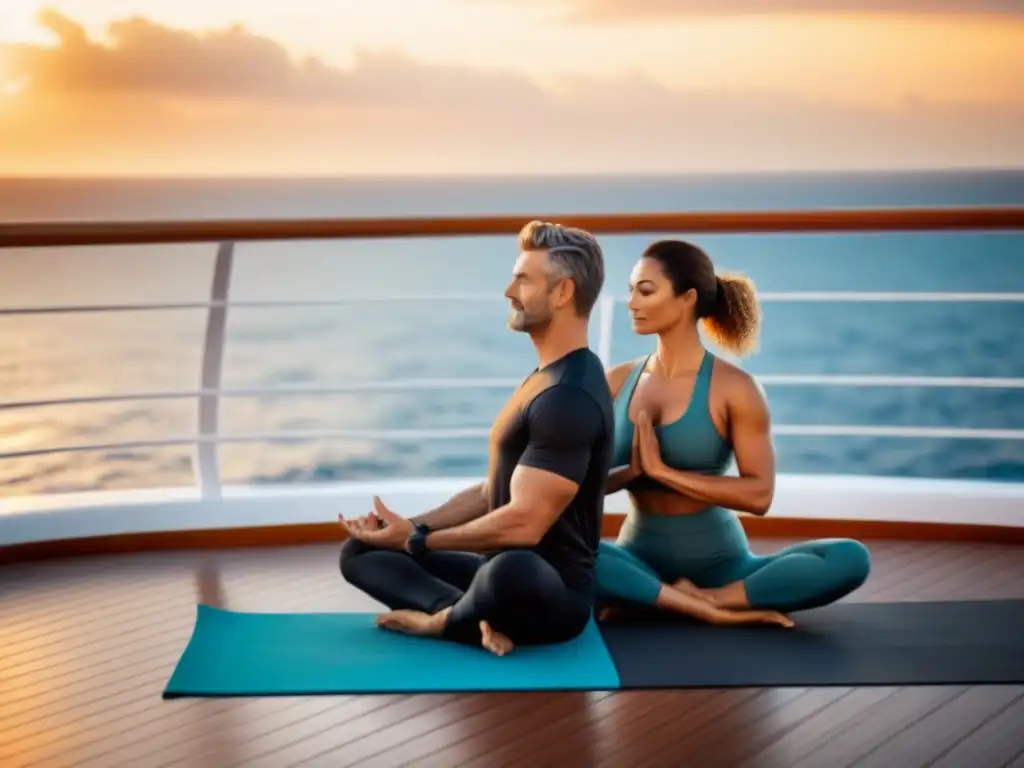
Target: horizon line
[[470, 176]]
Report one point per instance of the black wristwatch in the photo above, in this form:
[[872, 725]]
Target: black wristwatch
[[417, 541]]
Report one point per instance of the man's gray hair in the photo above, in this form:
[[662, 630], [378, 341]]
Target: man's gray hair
[[572, 253]]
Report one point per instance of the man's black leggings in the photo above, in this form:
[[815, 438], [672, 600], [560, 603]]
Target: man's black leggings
[[516, 592]]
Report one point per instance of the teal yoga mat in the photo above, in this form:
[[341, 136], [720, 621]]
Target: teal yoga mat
[[302, 654]]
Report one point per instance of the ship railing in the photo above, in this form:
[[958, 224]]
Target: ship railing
[[212, 504]]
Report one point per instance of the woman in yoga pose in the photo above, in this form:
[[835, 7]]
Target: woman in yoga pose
[[681, 415]]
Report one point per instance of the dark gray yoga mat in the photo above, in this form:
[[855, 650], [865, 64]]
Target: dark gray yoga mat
[[850, 644]]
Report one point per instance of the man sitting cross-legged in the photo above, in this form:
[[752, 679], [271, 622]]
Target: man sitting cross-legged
[[511, 561]]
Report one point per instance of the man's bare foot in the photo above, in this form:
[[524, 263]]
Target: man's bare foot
[[688, 587], [412, 622], [494, 641]]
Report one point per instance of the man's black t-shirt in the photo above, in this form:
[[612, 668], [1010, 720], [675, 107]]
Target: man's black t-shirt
[[560, 420]]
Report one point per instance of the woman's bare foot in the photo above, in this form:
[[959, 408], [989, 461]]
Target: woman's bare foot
[[754, 617], [774, 617], [412, 622], [609, 613], [688, 587], [496, 642]]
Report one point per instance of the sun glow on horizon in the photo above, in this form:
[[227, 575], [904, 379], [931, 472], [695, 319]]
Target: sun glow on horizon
[[11, 88]]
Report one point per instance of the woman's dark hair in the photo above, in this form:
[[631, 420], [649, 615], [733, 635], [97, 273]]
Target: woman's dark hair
[[727, 304]]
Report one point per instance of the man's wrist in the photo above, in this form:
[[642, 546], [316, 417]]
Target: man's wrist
[[416, 544]]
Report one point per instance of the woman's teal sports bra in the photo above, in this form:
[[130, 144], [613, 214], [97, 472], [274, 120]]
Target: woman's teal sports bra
[[690, 443]]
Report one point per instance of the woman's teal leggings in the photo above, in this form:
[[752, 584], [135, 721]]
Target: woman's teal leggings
[[710, 549]]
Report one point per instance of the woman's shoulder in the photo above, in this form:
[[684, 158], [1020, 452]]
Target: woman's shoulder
[[736, 384]]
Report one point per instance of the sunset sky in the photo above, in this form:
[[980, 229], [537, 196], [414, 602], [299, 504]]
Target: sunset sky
[[213, 87]]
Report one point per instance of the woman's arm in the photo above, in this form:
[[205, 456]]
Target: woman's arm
[[620, 477], [750, 425]]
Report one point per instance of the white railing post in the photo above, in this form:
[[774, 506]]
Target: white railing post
[[605, 319], [207, 449]]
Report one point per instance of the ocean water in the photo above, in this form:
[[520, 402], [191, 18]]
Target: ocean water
[[431, 334]]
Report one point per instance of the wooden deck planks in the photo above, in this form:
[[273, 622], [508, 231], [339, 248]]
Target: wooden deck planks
[[88, 644]]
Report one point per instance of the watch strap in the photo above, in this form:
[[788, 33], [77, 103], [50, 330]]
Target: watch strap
[[417, 544]]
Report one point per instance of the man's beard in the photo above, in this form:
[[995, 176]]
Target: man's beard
[[524, 321]]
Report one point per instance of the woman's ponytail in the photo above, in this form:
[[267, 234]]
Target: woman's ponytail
[[735, 323]]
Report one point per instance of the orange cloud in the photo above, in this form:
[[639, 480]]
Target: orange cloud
[[651, 10], [157, 100], [143, 57]]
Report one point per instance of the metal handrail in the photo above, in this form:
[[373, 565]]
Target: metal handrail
[[938, 297], [474, 433], [419, 385]]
